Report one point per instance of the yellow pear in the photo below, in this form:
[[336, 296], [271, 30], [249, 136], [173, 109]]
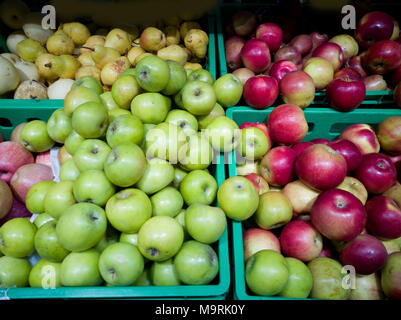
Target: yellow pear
[[132, 30], [44, 64], [86, 59], [141, 56], [197, 42], [78, 32], [88, 71], [188, 25], [60, 43], [152, 39], [192, 66], [133, 53], [91, 42], [65, 66], [103, 55], [113, 69], [173, 52], [172, 35], [136, 42], [30, 50], [118, 39]]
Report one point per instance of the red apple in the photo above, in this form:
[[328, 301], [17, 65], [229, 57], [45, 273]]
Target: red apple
[[287, 124], [288, 53], [332, 52], [320, 167], [348, 45], [384, 217], [270, 33], [301, 197], [256, 239], [261, 126], [255, 55], [345, 94], [12, 157], [349, 151], [348, 72], [372, 27], [356, 64], [44, 158], [363, 136], [28, 175], [375, 82], [243, 74], [338, 215], [389, 135], [259, 182], [318, 39], [365, 253], [320, 141], [300, 146], [396, 76], [280, 68], [297, 88], [244, 22], [300, 240], [233, 46], [260, 91], [377, 172], [327, 252], [302, 43], [383, 57], [18, 210], [277, 166], [320, 70], [16, 132]]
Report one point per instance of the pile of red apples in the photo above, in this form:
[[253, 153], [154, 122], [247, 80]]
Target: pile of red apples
[[342, 199], [345, 66]]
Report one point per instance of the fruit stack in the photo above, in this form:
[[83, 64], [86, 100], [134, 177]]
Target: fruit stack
[[322, 218], [43, 63], [274, 62]]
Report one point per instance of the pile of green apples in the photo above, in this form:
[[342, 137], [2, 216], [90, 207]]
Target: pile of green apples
[[134, 201]]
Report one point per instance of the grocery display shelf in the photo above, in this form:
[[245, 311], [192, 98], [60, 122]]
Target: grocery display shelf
[[373, 98], [323, 123]]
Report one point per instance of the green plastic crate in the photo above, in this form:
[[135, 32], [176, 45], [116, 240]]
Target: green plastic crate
[[372, 99], [323, 123]]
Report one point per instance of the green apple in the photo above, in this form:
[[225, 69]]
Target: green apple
[[130, 72], [124, 89], [178, 99], [164, 274], [108, 101], [217, 111], [47, 244], [59, 198], [152, 73], [73, 141], [266, 273], [80, 269], [144, 278], [390, 276], [197, 153], [41, 219], [196, 263], [178, 78], [69, 171], [224, 134], [34, 136], [238, 198], [198, 186], [167, 202], [17, 237], [151, 107], [125, 164], [327, 279], [121, 264], [228, 90], [179, 175], [274, 210], [77, 96], [198, 97], [59, 126], [128, 210], [188, 71], [160, 238], [125, 128], [165, 141], [299, 284], [110, 236], [146, 128], [91, 154], [181, 220], [81, 226], [254, 143], [201, 75], [90, 120], [93, 186], [117, 112], [367, 287], [184, 120], [158, 174], [14, 272], [205, 223], [36, 194], [45, 274], [131, 238], [89, 82]]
